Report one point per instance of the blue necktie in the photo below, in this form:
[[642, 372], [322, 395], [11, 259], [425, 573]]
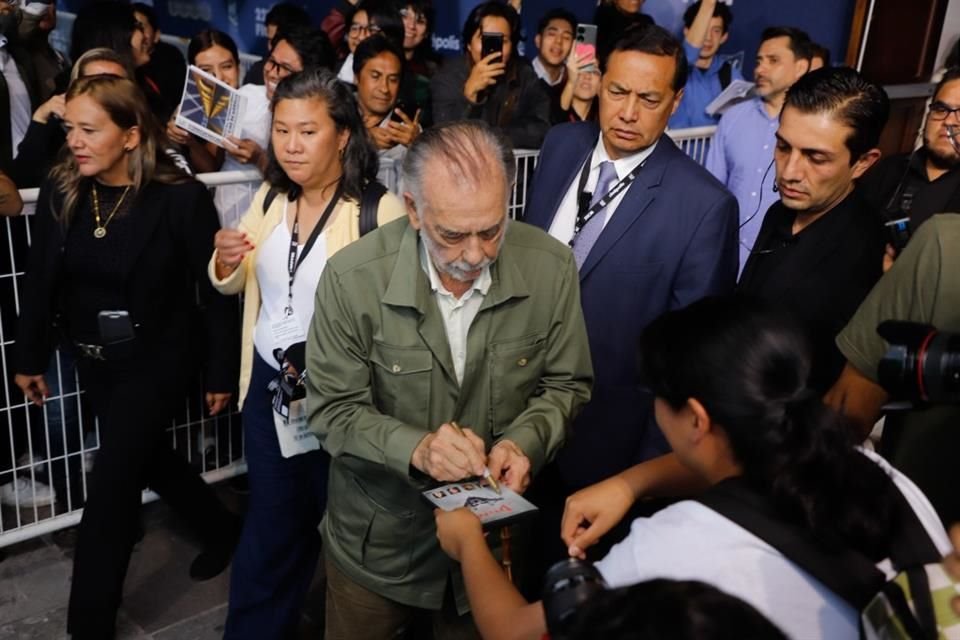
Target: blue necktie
[[587, 237]]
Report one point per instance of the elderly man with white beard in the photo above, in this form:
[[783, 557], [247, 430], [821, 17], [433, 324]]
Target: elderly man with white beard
[[442, 344]]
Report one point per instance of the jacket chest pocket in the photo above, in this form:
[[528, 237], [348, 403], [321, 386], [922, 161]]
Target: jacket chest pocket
[[516, 367], [401, 381]]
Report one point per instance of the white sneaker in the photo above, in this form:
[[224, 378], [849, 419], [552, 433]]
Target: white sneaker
[[26, 494]]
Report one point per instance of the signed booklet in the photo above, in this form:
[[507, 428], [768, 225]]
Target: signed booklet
[[210, 109], [493, 509]]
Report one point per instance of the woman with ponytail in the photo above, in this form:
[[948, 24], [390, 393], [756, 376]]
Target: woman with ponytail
[[729, 380]]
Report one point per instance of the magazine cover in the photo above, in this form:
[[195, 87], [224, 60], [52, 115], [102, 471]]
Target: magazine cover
[[494, 509], [209, 108]]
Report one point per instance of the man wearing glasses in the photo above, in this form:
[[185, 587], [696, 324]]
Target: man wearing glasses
[[919, 184]]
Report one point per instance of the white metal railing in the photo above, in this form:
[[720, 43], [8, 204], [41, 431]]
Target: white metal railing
[[54, 444], [695, 142]]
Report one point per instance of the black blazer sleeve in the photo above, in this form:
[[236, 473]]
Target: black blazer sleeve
[[35, 334], [221, 317]]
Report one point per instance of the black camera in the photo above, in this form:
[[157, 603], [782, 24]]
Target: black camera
[[569, 584], [921, 365]]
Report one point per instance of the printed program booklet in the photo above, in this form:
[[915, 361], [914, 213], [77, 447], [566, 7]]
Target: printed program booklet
[[736, 91], [209, 108], [493, 509]]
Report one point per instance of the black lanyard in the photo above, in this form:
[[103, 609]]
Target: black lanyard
[[293, 263], [585, 212]]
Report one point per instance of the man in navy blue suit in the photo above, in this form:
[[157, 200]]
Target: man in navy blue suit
[[651, 231]]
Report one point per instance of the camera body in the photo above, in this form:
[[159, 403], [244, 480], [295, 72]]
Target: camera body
[[568, 585]]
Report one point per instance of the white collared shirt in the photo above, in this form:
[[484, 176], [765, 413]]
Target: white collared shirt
[[457, 313], [565, 220], [542, 73]]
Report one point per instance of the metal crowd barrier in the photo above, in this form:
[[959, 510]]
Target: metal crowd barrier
[[56, 444]]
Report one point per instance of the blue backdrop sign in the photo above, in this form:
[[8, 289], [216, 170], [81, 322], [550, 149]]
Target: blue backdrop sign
[[827, 21]]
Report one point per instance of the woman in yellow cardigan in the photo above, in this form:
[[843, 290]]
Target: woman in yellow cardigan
[[321, 162]]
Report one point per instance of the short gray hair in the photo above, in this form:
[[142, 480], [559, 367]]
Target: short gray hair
[[469, 149]]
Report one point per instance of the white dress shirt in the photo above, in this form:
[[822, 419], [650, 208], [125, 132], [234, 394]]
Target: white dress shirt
[[457, 313], [566, 217]]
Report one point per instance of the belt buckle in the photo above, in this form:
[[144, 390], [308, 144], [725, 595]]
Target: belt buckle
[[92, 351]]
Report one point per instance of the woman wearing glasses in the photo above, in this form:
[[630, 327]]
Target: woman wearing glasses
[[293, 49], [321, 162], [370, 18]]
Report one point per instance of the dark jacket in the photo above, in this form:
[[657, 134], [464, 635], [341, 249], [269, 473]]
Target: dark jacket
[[671, 241], [612, 23], [38, 152], [173, 242], [22, 60], [518, 104]]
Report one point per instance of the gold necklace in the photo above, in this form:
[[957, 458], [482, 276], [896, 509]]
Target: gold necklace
[[100, 230]]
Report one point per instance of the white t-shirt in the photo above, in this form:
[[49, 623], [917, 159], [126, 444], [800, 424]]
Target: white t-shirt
[[274, 278], [233, 200], [688, 541]]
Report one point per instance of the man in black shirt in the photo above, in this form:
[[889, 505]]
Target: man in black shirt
[[919, 184], [819, 251]]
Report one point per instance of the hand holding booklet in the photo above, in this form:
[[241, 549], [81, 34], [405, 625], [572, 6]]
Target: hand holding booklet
[[735, 92], [494, 509], [210, 109]]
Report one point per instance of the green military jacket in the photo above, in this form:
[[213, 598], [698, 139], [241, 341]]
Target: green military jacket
[[380, 377]]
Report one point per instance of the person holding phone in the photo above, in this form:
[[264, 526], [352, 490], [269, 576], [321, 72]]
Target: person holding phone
[[378, 65], [321, 164], [489, 83], [120, 241], [379, 72]]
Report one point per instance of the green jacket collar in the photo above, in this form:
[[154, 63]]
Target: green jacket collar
[[410, 287]]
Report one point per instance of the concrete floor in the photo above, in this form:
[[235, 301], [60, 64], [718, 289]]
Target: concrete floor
[[160, 602]]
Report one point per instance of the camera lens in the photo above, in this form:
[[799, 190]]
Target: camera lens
[[921, 364]]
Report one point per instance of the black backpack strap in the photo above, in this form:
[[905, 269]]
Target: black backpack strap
[[369, 204], [848, 574], [269, 198], [910, 551]]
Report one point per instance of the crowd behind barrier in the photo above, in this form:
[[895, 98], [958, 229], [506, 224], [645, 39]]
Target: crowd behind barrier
[[214, 445]]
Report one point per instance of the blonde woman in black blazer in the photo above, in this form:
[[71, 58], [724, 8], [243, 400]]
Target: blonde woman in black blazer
[[118, 228]]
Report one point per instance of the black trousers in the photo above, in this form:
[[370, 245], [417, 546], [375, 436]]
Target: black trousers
[[134, 401]]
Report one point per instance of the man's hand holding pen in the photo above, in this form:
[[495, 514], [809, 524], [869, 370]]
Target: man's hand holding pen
[[452, 453]]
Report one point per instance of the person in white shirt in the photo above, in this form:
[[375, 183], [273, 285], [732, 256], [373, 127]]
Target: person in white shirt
[[729, 377]]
